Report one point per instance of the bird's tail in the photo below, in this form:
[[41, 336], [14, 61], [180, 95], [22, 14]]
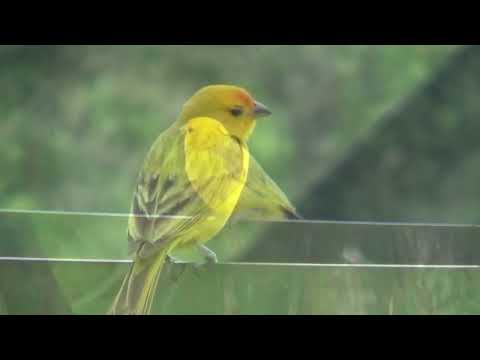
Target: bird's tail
[[136, 294]]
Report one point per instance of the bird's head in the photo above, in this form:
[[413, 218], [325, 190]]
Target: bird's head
[[234, 107]]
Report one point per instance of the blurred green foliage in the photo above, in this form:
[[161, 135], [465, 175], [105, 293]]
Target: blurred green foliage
[[76, 122]]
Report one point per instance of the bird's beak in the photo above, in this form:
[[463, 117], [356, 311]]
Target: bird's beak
[[260, 110]]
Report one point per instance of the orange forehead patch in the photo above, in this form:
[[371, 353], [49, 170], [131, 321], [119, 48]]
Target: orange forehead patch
[[244, 98]]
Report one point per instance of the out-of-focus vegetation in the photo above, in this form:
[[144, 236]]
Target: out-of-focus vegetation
[[358, 133], [417, 165]]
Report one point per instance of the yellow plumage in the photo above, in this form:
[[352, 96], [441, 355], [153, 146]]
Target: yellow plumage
[[193, 178]]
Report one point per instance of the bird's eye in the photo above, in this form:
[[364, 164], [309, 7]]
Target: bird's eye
[[236, 111]]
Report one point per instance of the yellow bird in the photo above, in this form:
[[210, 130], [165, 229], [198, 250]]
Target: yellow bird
[[196, 175]]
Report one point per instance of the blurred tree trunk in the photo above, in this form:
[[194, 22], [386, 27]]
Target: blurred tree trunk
[[413, 167]]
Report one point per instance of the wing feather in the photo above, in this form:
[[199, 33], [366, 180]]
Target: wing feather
[[262, 198], [168, 204]]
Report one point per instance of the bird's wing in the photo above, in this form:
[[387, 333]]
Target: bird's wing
[[262, 199], [163, 207], [177, 189]]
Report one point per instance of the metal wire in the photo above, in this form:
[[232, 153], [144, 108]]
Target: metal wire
[[339, 265], [303, 221], [266, 264]]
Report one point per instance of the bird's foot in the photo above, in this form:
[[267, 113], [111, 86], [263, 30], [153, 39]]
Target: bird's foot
[[209, 259], [176, 268], [210, 256]]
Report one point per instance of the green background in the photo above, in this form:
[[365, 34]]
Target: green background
[[370, 133]]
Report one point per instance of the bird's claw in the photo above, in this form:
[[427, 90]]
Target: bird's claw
[[209, 260], [210, 256], [178, 264]]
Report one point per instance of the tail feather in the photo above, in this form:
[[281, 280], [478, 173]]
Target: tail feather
[[138, 288]]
